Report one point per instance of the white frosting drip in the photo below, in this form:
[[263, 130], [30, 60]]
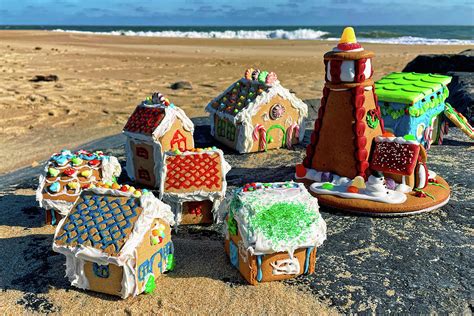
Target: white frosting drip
[[244, 140], [176, 199], [76, 256], [399, 140], [422, 180]]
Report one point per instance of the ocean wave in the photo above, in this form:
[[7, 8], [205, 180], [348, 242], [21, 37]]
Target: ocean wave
[[412, 40], [298, 34]]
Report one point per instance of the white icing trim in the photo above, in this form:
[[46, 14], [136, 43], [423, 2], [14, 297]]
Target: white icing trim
[[399, 140], [244, 142], [176, 199], [76, 256], [286, 266]]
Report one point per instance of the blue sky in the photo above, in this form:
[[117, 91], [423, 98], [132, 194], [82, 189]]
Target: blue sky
[[248, 12]]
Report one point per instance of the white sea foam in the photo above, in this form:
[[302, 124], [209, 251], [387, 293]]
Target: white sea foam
[[299, 34]]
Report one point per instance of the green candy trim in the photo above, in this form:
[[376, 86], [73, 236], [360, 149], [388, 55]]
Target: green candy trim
[[170, 263], [150, 285], [372, 123], [438, 185], [426, 193]]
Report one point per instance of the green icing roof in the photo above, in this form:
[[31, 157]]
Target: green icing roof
[[408, 87]]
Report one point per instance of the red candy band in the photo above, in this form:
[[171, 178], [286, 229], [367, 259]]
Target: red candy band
[[361, 153], [348, 46]]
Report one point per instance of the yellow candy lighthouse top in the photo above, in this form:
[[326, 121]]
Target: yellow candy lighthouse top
[[348, 41]]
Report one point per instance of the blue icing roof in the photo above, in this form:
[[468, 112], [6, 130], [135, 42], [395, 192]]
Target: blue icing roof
[[100, 221]]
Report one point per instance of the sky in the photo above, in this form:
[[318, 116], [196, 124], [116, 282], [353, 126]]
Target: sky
[[239, 13]]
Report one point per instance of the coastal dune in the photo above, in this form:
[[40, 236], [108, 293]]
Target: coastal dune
[[100, 79]]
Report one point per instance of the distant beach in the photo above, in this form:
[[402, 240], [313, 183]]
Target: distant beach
[[396, 34]]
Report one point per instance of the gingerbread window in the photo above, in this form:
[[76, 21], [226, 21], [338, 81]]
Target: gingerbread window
[[276, 111], [101, 271], [142, 152], [144, 174]]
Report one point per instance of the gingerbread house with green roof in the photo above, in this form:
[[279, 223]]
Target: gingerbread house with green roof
[[257, 113], [413, 103], [272, 231]]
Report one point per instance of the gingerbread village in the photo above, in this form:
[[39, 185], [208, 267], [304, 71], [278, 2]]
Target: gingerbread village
[[367, 153]]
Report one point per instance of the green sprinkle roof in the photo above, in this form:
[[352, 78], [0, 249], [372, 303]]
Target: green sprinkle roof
[[408, 87], [283, 221]]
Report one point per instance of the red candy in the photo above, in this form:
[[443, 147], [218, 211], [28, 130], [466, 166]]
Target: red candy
[[94, 162], [300, 171], [69, 172], [352, 189]]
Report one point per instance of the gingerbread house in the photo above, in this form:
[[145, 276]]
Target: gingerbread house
[[66, 174], [413, 104], [272, 231], [402, 159], [194, 184], [116, 242], [155, 127], [257, 113]]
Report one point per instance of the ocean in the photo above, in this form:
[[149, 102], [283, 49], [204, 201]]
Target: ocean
[[393, 34]]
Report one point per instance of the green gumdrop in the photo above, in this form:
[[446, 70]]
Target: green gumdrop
[[53, 172], [150, 284], [170, 263], [262, 76], [327, 186], [409, 137]]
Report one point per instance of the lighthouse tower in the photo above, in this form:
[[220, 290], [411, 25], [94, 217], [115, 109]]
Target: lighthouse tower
[[349, 117]]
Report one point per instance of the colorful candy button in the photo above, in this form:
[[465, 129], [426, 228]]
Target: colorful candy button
[[327, 186], [53, 172], [69, 172], [73, 185], [76, 161], [358, 182], [54, 187], [94, 162], [86, 173]]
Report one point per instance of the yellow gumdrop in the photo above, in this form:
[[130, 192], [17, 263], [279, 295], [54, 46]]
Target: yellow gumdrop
[[358, 182], [348, 36]]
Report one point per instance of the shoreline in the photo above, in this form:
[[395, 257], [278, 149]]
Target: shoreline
[[103, 77]]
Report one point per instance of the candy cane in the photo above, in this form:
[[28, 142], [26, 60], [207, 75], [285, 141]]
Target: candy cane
[[428, 133], [289, 134], [260, 133]]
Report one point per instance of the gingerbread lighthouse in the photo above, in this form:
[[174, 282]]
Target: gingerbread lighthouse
[[349, 117], [351, 163]]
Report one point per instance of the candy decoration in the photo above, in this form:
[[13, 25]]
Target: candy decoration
[[326, 177], [277, 111], [348, 40], [271, 78], [390, 183], [358, 182], [94, 163], [262, 76], [86, 173], [255, 74], [260, 134], [53, 172], [61, 160], [300, 171], [115, 186], [327, 186], [248, 74], [69, 172], [73, 185], [292, 132], [54, 187], [76, 161], [150, 285], [170, 263], [352, 189]]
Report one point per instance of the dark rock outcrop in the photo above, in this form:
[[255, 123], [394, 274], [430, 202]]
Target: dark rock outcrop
[[185, 85], [39, 78]]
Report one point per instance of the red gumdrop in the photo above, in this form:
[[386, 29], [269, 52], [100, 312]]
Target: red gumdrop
[[361, 142], [300, 171], [360, 128], [352, 189], [359, 113], [94, 162], [69, 172], [361, 154]]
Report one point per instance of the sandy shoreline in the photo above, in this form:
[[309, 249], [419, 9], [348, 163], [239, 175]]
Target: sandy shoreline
[[102, 78]]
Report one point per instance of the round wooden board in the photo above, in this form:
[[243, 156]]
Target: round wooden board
[[413, 204]]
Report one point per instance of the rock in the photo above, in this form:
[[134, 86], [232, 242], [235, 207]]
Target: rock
[[460, 67], [461, 93], [38, 48], [39, 78], [442, 64], [185, 85]]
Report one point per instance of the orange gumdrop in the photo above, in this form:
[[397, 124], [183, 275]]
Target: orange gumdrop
[[300, 170], [388, 134], [155, 232], [352, 189]]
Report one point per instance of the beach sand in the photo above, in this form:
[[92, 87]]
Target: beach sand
[[102, 79]]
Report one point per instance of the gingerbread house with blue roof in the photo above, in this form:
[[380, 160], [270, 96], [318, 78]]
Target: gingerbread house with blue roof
[[413, 104], [116, 242]]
